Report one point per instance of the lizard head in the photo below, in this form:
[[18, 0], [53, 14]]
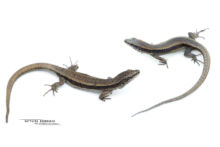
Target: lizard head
[[131, 41], [126, 76], [136, 43]]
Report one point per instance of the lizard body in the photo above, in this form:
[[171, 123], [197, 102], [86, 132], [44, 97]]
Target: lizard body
[[174, 44], [81, 80]]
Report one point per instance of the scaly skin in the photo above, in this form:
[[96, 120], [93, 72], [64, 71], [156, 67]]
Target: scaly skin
[[172, 45], [106, 86]]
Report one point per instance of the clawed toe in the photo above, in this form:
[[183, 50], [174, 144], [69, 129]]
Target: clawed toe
[[53, 89], [195, 60], [104, 99], [163, 63]]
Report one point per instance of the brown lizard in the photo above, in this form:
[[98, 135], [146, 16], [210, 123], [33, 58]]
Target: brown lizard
[[174, 44], [77, 79]]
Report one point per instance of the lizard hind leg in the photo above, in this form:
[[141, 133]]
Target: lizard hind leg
[[55, 86], [72, 67], [103, 96], [162, 61], [195, 35], [188, 53]]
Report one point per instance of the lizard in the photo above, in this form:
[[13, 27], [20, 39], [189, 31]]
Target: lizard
[[189, 44], [74, 78]]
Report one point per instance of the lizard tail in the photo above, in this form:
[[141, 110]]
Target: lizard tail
[[19, 73], [196, 86]]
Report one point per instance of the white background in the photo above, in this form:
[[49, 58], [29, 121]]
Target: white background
[[92, 32]]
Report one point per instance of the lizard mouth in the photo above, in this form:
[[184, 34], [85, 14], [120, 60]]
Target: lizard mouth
[[128, 41], [135, 73]]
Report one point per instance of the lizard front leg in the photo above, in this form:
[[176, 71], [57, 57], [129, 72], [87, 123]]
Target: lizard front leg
[[162, 61], [103, 96]]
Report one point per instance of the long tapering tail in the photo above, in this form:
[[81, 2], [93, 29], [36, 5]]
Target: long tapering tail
[[196, 86], [19, 73]]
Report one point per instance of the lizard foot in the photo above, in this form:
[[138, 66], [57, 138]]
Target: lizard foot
[[195, 60], [163, 62], [105, 94], [104, 99], [53, 88]]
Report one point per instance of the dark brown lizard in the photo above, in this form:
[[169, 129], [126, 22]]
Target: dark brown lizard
[[81, 80], [174, 44]]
